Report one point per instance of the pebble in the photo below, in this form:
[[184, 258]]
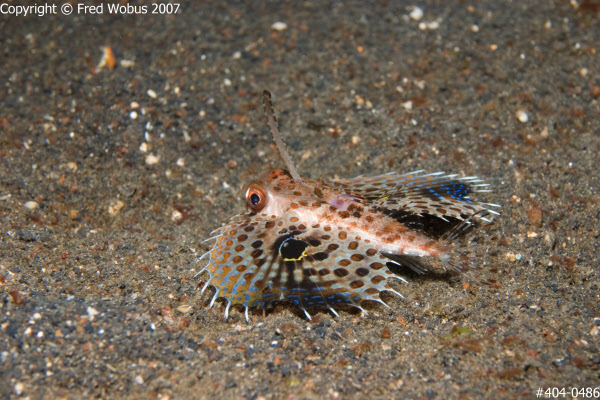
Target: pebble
[[151, 93], [416, 14], [184, 308], [279, 26], [91, 311], [115, 207], [31, 205], [176, 216], [127, 63], [429, 26], [18, 388], [72, 165], [151, 159], [522, 116]]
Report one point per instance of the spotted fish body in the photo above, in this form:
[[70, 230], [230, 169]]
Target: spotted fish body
[[326, 243]]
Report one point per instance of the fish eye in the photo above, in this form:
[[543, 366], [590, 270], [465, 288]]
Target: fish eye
[[256, 197]]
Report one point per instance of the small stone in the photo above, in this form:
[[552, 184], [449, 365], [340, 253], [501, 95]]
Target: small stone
[[184, 309], [139, 380], [151, 159], [522, 116], [72, 166], [127, 63], [91, 311], [416, 14], [17, 297], [18, 388], [31, 205], [231, 164], [176, 216], [151, 93], [433, 25], [279, 26], [115, 207], [429, 26], [133, 115]]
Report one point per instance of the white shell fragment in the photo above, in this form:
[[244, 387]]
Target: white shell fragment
[[522, 116], [416, 14], [31, 205], [279, 26]]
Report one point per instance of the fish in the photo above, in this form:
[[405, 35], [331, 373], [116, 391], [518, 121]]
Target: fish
[[339, 242]]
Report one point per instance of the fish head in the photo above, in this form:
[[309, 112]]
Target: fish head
[[275, 193]]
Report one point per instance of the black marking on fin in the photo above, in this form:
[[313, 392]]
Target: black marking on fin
[[463, 227], [292, 249], [430, 225], [412, 262]]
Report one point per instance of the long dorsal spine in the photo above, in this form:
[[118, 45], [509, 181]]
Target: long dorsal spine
[[274, 128]]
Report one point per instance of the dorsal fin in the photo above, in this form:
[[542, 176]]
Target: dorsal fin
[[274, 128]]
